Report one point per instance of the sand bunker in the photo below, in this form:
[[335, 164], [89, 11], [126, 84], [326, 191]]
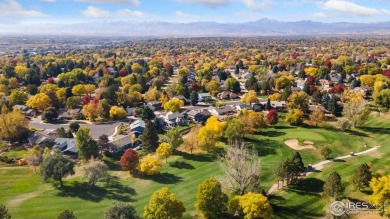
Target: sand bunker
[[293, 144]]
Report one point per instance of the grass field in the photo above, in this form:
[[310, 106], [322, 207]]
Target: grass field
[[307, 199], [27, 197]]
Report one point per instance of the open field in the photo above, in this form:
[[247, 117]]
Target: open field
[[27, 197]]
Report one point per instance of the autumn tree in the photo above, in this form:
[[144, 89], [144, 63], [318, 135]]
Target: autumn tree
[[272, 117], [210, 133], [34, 157], [117, 113], [191, 142], [325, 152], [56, 166], [13, 124], [211, 201], [362, 176], [95, 171], [174, 138], [164, 151], [332, 186], [119, 209], [164, 205], [87, 147], [149, 137], [234, 130], [250, 97], [39, 101], [251, 206], [380, 187], [4, 212], [150, 164], [356, 112], [129, 161], [91, 111], [241, 166], [382, 98], [17, 97], [298, 100], [232, 85], [294, 117], [173, 105], [317, 116], [284, 82], [67, 215], [275, 97], [213, 87]]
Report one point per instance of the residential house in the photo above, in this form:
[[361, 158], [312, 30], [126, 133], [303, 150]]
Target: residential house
[[130, 111], [66, 145], [64, 115], [246, 75], [222, 111], [314, 107], [137, 127], [243, 106], [154, 105], [199, 115], [120, 143], [226, 95], [44, 138], [203, 96], [25, 110], [279, 105], [174, 119], [182, 98]]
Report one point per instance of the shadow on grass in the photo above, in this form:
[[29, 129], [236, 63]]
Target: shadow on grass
[[357, 133], [181, 165], [165, 178], [198, 157], [264, 147], [283, 208], [307, 186], [338, 160], [284, 127], [112, 190], [272, 133], [383, 131]]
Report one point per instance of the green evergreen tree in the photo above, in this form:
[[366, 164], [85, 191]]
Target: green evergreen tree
[[86, 146], [333, 186], [362, 176], [149, 137], [194, 98]]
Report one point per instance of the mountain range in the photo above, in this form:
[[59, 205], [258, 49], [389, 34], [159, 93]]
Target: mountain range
[[262, 27]]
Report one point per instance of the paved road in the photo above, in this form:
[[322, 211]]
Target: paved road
[[321, 164], [96, 129]]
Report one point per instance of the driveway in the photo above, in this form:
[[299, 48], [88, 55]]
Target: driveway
[[96, 129]]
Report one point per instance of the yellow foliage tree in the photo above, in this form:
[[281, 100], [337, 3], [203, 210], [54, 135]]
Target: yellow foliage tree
[[163, 205], [61, 94], [367, 80], [152, 94], [91, 111], [284, 81], [381, 193], [150, 164], [89, 88], [48, 87], [275, 97], [164, 151], [11, 123], [173, 105], [78, 90], [20, 70], [312, 71], [252, 205], [39, 102], [210, 133], [250, 97], [117, 113]]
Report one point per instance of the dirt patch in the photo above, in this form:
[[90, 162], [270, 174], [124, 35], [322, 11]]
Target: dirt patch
[[293, 144], [18, 200]]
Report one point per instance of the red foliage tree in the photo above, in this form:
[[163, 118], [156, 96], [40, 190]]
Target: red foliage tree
[[313, 89], [85, 99], [272, 117], [328, 64], [338, 89], [50, 80], [122, 72], [129, 160], [310, 79], [386, 72], [195, 86]]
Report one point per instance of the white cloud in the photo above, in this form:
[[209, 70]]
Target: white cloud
[[94, 12], [129, 2], [11, 8], [48, 0], [187, 17], [131, 13], [320, 14], [349, 8], [251, 4]]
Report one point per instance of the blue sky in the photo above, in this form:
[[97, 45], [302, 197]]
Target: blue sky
[[72, 11]]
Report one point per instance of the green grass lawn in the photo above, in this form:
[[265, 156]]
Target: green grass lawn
[[27, 197], [15, 152], [308, 201]]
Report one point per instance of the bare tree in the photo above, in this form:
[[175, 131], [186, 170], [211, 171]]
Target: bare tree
[[241, 166], [191, 141], [356, 112]]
